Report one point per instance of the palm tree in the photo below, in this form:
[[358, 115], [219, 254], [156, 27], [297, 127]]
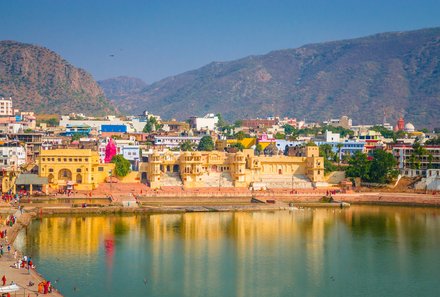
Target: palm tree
[[339, 146]]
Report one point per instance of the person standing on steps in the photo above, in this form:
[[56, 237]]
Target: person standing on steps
[[4, 280]]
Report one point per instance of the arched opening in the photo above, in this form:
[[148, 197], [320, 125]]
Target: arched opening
[[144, 177], [176, 168], [50, 178], [214, 168], [65, 175], [78, 178]]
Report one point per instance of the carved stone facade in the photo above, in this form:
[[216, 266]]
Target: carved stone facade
[[195, 168]]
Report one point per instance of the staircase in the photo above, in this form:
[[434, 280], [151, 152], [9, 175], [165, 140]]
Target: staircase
[[171, 179], [216, 179], [284, 181]]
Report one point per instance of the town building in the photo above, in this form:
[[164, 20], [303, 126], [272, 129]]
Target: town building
[[12, 156], [241, 169], [6, 107], [412, 165], [175, 141], [332, 137], [259, 123], [247, 143], [206, 123], [344, 122], [175, 127], [68, 169]]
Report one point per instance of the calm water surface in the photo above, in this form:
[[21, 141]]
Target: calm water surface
[[361, 251]]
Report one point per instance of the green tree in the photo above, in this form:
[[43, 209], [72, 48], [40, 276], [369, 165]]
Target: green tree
[[288, 129], [419, 153], [383, 167], [151, 125], [77, 136], [258, 149], [384, 131], [238, 123], [280, 136], [433, 141], [187, 146], [359, 166], [237, 145], [28, 130], [122, 165], [240, 135], [326, 151], [338, 157], [342, 131], [221, 122], [206, 144]]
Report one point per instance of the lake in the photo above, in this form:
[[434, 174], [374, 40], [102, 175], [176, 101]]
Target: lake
[[359, 251]]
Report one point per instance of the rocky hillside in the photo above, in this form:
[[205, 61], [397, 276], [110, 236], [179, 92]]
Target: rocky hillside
[[40, 80], [118, 88], [393, 73]]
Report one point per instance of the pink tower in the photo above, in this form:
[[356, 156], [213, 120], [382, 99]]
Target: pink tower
[[110, 151]]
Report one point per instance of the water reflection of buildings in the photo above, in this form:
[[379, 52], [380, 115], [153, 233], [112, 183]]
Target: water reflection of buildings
[[76, 235], [207, 239], [251, 253]]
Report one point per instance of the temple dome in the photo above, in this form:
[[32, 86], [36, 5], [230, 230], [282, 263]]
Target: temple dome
[[409, 127]]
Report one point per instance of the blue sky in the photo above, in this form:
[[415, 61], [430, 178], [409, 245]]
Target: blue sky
[[153, 39]]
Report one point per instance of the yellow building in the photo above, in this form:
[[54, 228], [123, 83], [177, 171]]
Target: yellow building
[[241, 169], [77, 168], [247, 143]]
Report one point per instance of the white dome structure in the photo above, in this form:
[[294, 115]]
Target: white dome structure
[[409, 127]]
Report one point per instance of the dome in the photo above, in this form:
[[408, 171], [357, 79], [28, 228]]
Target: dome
[[409, 127]]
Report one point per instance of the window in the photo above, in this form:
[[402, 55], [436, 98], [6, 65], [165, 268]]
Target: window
[[44, 159], [59, 159], [65, 160], [100, 168], [70, 159], [78, 170], [50, 169]]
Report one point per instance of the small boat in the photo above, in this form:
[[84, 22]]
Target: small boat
[[9, 289]]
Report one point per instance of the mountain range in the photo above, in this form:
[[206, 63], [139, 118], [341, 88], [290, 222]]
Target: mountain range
[[371, 79], [37, 79]]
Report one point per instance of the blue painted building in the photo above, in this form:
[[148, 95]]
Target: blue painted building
[[348, 147], [114, 128], [76, 129]]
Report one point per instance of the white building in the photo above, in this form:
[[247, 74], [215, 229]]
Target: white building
[[6, 107], [131, 153], [12, 156], [133, 125], [175, 141], [332, 137], [207, 123]]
